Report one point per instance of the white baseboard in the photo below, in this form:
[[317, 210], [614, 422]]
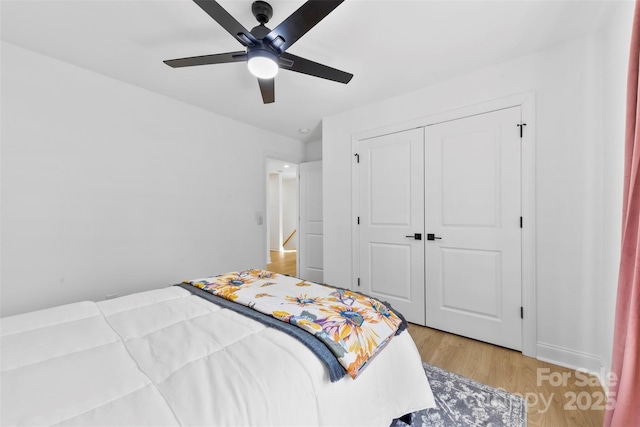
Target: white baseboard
[[575, 360]]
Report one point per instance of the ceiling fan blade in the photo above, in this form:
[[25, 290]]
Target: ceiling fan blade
[[299, 22], [219, 58], [268, 90], [228, 22], [304, 66]]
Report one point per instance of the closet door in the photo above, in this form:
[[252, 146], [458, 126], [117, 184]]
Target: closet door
[[472, 207], [391, 216]]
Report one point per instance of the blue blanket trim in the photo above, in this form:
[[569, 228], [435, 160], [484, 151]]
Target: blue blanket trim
[[326, 356], [336, 370]]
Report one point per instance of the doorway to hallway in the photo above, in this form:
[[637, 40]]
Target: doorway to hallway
[[282, 216]]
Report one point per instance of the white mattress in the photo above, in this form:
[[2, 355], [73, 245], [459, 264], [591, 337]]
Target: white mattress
[[167, 357]]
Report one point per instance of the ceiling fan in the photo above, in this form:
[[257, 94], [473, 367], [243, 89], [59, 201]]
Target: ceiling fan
[[265, 48]]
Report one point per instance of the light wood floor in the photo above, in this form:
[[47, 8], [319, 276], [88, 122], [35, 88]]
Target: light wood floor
[[283, 262], [556, 396], [552, 400]]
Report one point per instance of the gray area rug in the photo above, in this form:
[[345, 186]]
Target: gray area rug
[[463, 402]]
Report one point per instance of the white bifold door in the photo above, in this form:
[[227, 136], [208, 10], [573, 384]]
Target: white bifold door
[[440, 225], [472, 209], [391, 217]]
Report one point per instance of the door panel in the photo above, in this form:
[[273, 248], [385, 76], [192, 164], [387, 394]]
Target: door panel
[[313, 253], [384, 255], [391, 207], [481, 299], [310, 261], [469, 189], [472, 203], [390, 177]]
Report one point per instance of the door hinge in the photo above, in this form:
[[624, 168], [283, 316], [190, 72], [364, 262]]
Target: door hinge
[[520, 222], [358, 282], [357, 157], [358, 220], [521, 126], [521, 312]]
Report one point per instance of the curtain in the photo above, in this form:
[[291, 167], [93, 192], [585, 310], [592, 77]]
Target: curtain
[[624, 389]]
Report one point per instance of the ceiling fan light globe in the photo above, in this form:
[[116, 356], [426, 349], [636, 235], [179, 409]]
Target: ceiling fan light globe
[[262, 67]]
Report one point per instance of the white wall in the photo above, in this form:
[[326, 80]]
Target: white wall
[[313, 151], [111, 189], [571, 207]]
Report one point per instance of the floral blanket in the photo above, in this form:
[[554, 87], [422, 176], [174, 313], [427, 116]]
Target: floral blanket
[[353, 326]]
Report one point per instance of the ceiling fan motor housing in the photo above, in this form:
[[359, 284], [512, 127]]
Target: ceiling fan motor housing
[[262, 48]]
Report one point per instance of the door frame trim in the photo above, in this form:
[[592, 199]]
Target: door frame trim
[[526, 102]]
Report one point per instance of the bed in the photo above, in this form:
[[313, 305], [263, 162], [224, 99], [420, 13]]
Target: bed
[[169, 357]]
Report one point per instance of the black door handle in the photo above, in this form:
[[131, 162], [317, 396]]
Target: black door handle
[[417, 236], [431, 236]]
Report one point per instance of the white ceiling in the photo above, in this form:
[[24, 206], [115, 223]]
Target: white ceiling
[[392, 47]]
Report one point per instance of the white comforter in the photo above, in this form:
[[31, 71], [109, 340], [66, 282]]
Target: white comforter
[[167, 357]]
